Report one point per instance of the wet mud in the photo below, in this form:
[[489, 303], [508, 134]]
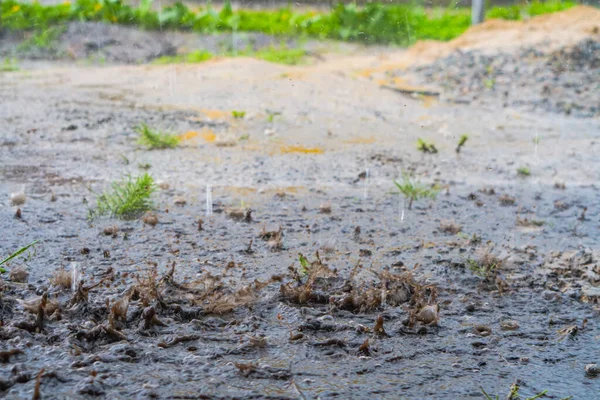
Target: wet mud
[[330, 286]]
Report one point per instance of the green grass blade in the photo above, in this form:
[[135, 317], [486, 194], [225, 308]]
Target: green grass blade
[[17, 253]]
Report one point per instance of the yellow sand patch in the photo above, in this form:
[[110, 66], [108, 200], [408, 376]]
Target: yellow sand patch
[[399, 81], [240, 190], [215, 114], [188, 135], [366, 73], [208, 135], [300, 150], [292, 75], [393, 66], [361, 140], [429, 101]]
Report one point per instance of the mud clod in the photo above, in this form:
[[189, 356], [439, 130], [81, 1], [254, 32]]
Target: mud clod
[[592, 369]]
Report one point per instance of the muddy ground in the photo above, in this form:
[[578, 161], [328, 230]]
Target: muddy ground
[[218, 313]]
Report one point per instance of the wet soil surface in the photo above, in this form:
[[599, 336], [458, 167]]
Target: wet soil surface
[[562, 81], [494, 282]]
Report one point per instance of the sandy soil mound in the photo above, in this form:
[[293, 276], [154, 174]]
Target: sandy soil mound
[[552, 31]]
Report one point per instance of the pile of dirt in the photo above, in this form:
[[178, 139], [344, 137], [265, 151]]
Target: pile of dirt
[[553, 31], [564, 81]]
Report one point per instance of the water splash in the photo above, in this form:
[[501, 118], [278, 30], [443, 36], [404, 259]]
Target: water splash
[[209, 201], [75, 276], [366, 189]]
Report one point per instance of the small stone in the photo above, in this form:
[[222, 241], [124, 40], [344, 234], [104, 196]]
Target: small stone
[[429, 314], [509, 325], [592, 369], [180, 201], [482, 330], [19, 275], [18, 199], [150, 219]]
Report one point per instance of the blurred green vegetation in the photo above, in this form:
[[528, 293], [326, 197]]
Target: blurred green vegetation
[[372, 23]]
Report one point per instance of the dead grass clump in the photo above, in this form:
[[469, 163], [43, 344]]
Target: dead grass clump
[[210, 293], [239, 214], [488, 190], [118, 311], [62, 279], [111, 231], [528, 223], [149, 319], [449, 226], [378, 329], [325, 208], [273, 238], [488, 266], [316, 283], [506, 200], [81, 292], [225, 301], [560, 205], [19, 274]]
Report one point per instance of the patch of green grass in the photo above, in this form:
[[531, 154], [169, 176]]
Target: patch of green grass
[[288, 56], [401, 24], [9, 65], [426, 147], [413, 190], [461, 142], [483, 270], [489, 83], [514, 394], [523, 171], [156, 140], [238, 114], [15, 254], [281, 55], [44, 39], [190, 58], [272, 114], [128, 199]]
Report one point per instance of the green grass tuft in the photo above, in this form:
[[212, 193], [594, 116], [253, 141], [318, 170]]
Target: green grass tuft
[[128, 199], [461, 142], [413, 190], [44, 39], [281, 55], [155, 140], [523, 171], [238, 114], [15, 254], [190, 58], [9, 65], [426, 147]]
